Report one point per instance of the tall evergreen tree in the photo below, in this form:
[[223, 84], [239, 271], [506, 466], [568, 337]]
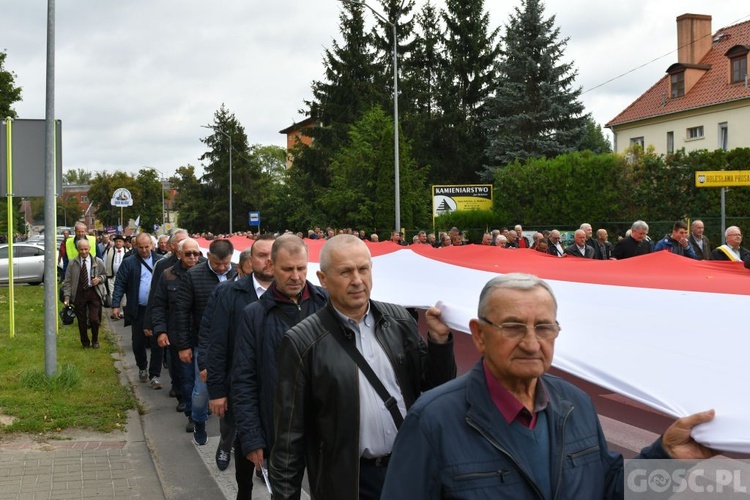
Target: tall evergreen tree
[[246, 176], [535, 111], [339, 99], [9, 93], [421, 114], [471, 54], [192, 202]]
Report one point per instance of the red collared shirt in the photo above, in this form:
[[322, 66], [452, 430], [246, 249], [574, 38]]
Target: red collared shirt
[[510, 407]]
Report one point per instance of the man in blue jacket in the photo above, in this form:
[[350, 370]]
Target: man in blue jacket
[[134, 282], [488, 433], [677, 242]]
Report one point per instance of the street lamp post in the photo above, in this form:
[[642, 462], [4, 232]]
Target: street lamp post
[[396, 181], [161, 183], [230, 171]]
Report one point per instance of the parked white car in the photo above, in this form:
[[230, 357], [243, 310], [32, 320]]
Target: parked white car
[[28, 263]]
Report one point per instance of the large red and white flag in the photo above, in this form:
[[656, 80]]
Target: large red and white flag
[[661, 329]]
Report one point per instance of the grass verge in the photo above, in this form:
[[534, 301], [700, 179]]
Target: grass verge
[[85, 392]]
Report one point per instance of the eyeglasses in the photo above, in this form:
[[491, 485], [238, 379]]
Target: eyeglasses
[[191, 254], [734, 234], [517, 331]]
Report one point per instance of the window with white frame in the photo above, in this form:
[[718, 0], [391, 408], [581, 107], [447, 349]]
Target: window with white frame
[[723, 136], [695, 133], [637, 140], [670, 142]]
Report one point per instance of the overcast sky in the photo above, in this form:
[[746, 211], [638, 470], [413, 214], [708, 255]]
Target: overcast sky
[[136, 79]]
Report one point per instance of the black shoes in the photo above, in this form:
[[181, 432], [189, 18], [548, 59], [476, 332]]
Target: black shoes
[[222, 458]]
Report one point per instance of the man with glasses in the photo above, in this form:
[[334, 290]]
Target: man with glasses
[[731, 250], [506, 429], [195, 291], [163, 309]]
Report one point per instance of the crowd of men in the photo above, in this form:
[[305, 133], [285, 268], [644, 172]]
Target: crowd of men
[[324, 380]]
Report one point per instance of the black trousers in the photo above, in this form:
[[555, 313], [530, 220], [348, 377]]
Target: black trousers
[[88, 311], [371, 479], [244, 470], [141, 342]]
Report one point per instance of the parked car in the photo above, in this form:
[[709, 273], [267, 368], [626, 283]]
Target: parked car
[[28, 263]]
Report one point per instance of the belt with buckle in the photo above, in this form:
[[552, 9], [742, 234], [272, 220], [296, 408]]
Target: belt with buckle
[[376, 462]]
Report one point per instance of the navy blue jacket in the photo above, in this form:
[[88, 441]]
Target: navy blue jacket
[[217, 340], [255, 365], [163, 301], [128, 282], [195, 292], [453, 444]]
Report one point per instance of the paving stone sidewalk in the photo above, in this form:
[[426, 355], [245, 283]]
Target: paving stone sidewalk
[[89, 466]]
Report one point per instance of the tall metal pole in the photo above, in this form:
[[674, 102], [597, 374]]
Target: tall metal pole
[[397, 182], [230, 182], [50, 215]]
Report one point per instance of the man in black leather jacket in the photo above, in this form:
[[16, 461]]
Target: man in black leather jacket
[[327, 415]]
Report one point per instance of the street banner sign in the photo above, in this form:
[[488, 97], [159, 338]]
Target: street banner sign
[[722, 178], [447, 199]]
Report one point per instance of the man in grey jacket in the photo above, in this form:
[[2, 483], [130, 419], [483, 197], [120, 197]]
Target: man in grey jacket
[[84, 287]]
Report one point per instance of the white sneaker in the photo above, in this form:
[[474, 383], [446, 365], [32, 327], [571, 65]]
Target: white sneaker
[[155, 384]]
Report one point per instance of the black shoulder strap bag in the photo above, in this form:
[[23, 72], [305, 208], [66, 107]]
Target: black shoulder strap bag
[[348, 343]]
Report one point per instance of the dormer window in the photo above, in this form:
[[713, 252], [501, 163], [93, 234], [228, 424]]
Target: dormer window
[[737, 56], [739, 69], [678, 84]]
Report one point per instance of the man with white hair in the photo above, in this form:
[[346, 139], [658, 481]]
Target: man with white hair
[[555, 246], [635, 244], [731, 249], [507, 429], [579, 248]]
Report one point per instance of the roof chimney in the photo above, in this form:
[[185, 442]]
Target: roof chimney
[[693, 37]]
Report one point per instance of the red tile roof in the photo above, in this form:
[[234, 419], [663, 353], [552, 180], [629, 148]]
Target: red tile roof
[[712, 88]]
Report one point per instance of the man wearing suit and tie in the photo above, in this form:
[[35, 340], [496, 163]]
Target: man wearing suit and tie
[[84, 287], [579, 247]]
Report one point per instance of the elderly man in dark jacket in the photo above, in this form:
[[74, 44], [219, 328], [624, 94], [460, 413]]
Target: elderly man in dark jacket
[[134, 282], [195, 290], [328, 416], [507, 429], [167, 261], [163, 308], [290, 299]]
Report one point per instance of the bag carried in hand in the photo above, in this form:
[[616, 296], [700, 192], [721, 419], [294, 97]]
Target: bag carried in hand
[[68, 315]]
